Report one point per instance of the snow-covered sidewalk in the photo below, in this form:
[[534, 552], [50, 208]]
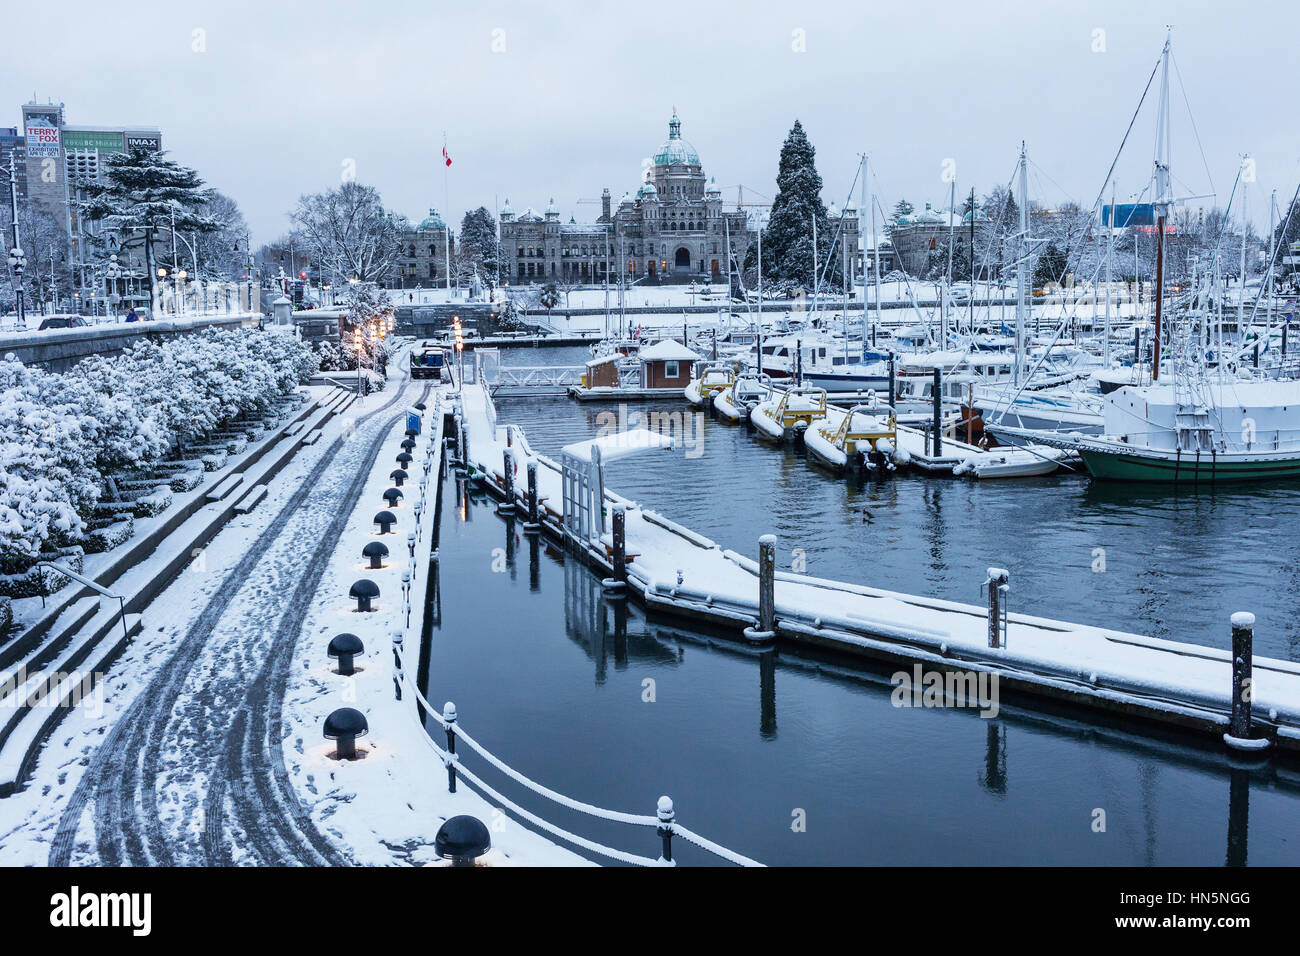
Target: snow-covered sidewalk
[[386, 807]]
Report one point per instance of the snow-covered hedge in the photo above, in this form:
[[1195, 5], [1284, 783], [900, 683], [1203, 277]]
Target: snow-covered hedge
[[62, 435], [109, 536], [33, 580]]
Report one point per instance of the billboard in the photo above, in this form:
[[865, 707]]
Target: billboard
[[92, 140], [42, 134], [1129, 214], [149, 141]]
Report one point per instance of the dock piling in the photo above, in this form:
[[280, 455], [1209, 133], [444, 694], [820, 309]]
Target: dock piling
[[508, 476], [620, 543], [532, 525], [1243, 638], [998, 585], [766, 629], [936, 402]]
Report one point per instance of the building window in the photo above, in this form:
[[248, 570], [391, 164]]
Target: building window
[[671, 370]]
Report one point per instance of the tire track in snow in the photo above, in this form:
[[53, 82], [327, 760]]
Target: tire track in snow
[[126, 829]]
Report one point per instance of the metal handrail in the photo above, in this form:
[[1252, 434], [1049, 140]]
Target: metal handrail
[[93, 585]]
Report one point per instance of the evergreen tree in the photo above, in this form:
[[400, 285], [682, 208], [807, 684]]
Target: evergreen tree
[[141, 195], [788, 239], [550, 297], [1051, 266], [901, 208], [479, 247]]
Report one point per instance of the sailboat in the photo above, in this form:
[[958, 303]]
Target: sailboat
[[1183, 427]]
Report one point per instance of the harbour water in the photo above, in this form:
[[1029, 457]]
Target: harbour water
[[797, 758]]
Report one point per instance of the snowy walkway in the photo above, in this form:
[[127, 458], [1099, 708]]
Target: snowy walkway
[[185, 765]]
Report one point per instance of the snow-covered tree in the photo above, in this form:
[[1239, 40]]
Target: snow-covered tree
[[140, 196], [788, 238], [221, 252], [479, 249]]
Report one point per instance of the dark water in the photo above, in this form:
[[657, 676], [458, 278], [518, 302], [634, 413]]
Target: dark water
[[1177, 563], [552, 677]]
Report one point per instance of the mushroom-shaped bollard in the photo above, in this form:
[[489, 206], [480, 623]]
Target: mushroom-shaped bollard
[[398, 477], [404, 459], [462, 840], [364, 591], [421, 406], [385, 520], [345, 725], [345, 647], [393, 496], [376, 551], [408, 444], [412, 432]]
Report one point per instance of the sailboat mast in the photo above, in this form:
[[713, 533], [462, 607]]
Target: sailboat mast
[[875, 248], [1272, 251], [1110, 247], [1162, 204], [1022, 254]]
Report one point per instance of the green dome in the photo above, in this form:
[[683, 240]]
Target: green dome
[[676, 152], [434, 221]]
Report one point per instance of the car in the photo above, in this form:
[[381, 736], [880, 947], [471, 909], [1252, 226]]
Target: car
[[62, 322]]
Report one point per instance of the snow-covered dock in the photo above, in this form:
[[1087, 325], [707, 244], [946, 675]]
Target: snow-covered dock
[[677, 571]]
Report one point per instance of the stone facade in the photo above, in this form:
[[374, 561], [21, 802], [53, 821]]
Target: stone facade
[[918, 237], [673, 229], [425, 254]]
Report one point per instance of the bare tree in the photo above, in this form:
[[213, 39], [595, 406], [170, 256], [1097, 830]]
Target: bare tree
[[350, 234]]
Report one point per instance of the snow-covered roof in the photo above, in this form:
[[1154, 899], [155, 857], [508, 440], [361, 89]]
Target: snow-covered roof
[[667, 350], [618, 445]]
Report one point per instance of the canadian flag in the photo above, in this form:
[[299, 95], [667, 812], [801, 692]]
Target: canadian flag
[[445, 157]]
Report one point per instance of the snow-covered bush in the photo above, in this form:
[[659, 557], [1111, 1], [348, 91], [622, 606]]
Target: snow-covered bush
[[109, 536], [186, 480], [156, 502], [35, 581], [214, 460], [62, 436]]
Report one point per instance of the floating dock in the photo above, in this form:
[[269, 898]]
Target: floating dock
[[676, 571]]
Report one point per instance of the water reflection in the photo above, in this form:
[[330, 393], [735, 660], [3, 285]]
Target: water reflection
[[552, 677]]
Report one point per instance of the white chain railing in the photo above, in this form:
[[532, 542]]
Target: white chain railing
[[663, 821]]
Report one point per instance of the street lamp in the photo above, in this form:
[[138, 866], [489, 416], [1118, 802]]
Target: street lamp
[[17, 261]]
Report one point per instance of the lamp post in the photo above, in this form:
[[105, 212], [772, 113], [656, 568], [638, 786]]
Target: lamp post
[[17, 260]]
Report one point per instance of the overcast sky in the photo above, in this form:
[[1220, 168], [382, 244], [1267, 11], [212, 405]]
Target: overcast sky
[[538, 99]]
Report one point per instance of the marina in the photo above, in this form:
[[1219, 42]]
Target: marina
[[1114, 670]]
